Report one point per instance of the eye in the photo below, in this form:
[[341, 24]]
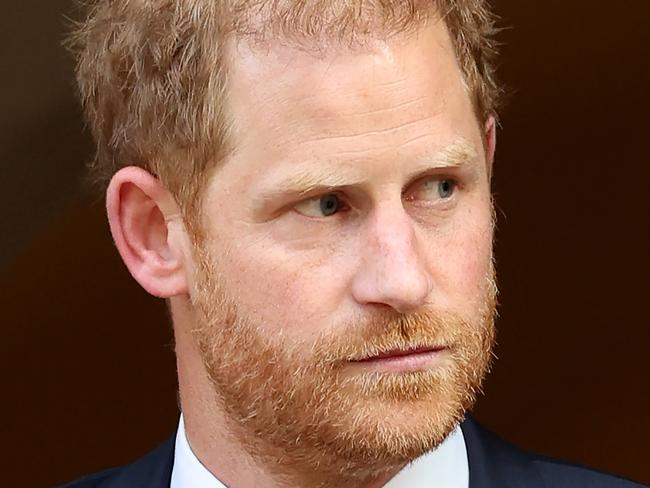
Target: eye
[[320, 206], [435, 188]]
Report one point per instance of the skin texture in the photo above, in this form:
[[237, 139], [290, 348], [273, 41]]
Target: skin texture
[[275, 298]]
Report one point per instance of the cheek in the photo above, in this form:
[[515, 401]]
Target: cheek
[[462, 257], [281, 290]]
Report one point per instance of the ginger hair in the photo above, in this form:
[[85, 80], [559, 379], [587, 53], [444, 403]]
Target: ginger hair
[[153, 79]]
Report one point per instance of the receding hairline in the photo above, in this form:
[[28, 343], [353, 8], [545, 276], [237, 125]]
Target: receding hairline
[[327, 22], [152, 77]]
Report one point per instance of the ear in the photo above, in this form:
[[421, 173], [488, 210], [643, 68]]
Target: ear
[[490, 144], [143, 217]]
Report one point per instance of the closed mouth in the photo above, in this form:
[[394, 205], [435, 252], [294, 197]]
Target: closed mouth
[[394, 353]]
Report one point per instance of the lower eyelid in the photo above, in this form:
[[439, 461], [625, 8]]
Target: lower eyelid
[[439, 202]]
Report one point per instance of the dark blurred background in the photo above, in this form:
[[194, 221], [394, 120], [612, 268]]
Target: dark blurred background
[[89, 368]]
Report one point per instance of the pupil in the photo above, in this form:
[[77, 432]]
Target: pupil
[[329, 204], [445, 188]]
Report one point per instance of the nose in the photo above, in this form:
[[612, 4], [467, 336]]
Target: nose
[[392, 270]]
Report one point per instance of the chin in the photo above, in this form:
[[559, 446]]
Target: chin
[[394, 432]]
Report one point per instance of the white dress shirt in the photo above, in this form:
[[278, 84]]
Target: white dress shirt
[[444, 467]]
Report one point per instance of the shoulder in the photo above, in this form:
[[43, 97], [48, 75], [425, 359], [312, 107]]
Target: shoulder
[[152, 471], [95, 480], [561, 474], [495, 462]]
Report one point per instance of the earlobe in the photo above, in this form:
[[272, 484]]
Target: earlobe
[[141, 213]]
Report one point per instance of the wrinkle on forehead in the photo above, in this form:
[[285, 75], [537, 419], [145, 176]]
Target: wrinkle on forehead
[[391, 79], [401, 102]]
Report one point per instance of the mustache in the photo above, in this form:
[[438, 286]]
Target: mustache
[[390, 332]]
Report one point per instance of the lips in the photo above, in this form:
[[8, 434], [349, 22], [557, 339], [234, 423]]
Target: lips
[[395, 353]]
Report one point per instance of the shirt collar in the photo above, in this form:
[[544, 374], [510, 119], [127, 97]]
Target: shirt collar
[[447, 466], [188, 472]]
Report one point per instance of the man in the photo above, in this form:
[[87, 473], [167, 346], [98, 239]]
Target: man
[[308, 185]]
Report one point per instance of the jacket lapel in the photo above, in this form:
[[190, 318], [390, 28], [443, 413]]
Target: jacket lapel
[[152, 471], [493, 463]]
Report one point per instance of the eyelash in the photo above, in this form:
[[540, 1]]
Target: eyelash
[[346, 207], [455, 182]]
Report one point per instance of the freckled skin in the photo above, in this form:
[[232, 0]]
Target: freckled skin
[[394, 246], [380, 110]]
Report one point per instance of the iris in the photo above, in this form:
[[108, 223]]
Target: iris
[[445, 188], [329, 204]]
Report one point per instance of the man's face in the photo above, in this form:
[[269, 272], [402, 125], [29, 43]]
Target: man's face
[[353, 219]]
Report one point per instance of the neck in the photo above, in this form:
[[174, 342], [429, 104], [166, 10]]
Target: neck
[[236, 458]]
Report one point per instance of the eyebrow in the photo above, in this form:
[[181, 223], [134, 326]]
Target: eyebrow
[[306, 179]]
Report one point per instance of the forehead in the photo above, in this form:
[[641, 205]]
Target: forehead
[[402, 94]]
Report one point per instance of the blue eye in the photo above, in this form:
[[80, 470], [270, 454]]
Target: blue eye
[[438, 189], [320, 206], [329, 204], [446, 188]]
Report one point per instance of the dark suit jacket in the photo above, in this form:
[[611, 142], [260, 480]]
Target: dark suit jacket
[[493, 463]]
